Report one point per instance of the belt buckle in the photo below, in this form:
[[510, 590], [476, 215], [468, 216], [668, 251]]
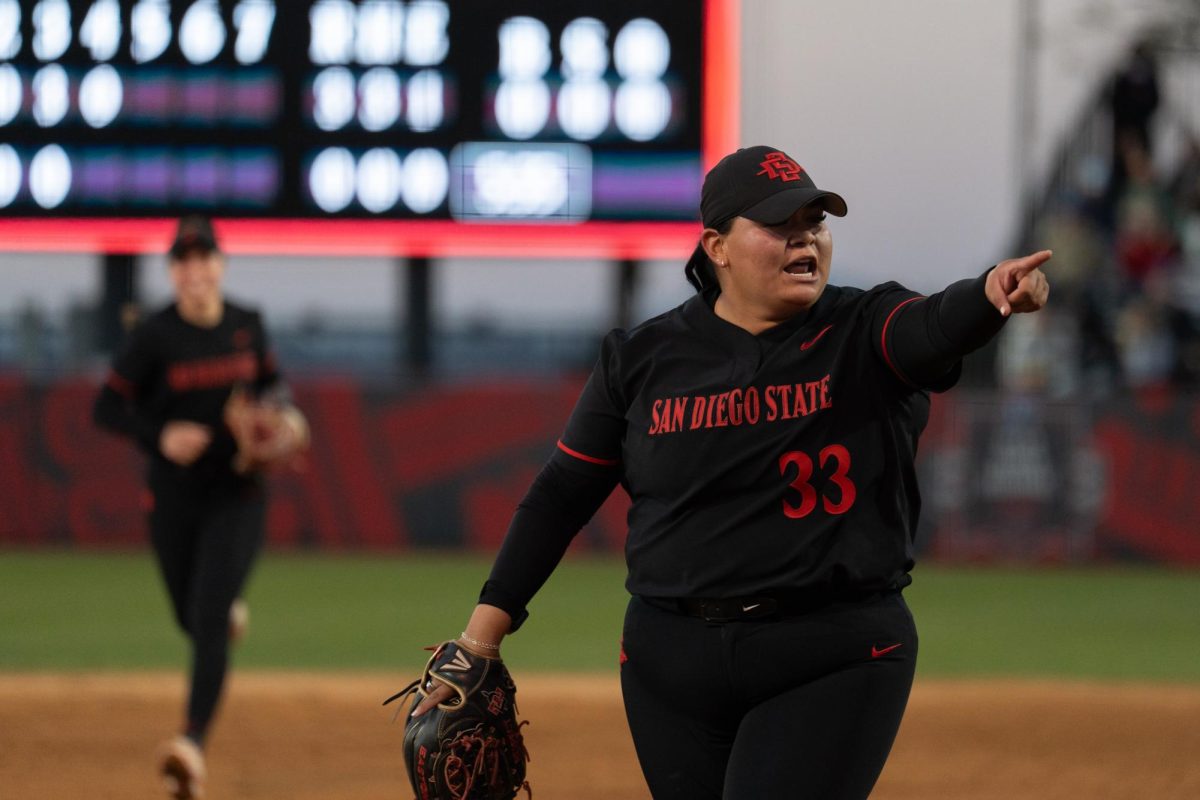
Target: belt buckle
[[715, 611]]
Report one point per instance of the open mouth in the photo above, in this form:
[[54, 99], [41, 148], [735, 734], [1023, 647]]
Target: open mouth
[[802, 267]]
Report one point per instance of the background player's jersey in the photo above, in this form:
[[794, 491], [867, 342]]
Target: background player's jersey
[[782, 461], [172, 370]]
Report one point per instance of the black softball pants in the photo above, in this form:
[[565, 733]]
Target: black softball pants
[[206, 538], [800, 707]]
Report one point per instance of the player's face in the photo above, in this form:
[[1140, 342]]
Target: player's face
[[782, 268], [197, 280]]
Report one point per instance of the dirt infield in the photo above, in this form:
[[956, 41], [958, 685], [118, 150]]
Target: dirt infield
[[323, 737]]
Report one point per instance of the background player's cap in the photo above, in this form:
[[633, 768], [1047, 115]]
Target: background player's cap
[[763, 184], [194, 234]]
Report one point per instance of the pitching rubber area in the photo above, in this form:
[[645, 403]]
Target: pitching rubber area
[[289, 736]]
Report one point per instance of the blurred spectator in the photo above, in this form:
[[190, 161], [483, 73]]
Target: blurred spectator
[[1145, 238], [33, 331], [1187, 278], [1185, 333], [1074, 343], [1133, 98], [1040, 356], [1185, 284], [1145, 342], [1088, 190], [1077, 246]]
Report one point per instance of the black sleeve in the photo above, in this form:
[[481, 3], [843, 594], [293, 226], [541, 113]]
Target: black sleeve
[[579, 476], [269, 379], [594, 433], [118, 404], [559, 502], [924, 339]]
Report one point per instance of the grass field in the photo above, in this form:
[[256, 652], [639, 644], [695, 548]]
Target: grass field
[[68, 610]]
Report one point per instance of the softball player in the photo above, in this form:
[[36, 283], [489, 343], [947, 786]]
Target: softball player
[[168, 391], [766, 432]]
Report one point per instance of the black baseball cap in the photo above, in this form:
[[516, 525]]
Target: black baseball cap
[[761, 183], [194, 234]]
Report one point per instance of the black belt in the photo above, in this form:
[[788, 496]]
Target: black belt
[[732, 609]]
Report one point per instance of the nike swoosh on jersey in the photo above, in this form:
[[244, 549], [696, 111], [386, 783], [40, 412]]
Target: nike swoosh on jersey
[[816, 338]]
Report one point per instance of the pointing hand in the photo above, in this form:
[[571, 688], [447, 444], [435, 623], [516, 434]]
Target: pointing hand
[[1018, 285]]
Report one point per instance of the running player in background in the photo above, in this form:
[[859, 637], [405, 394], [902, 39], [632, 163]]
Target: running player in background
[[766, 432], [180, 390]]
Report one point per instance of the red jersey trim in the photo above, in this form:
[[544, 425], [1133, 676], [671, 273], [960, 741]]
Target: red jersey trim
[[604, 462], [120, 385], [883, 341]]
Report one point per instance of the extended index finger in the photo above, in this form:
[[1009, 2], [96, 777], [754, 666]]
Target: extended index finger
[[1029, 263]]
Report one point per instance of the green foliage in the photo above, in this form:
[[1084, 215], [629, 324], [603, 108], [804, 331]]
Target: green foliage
[[73, 610]]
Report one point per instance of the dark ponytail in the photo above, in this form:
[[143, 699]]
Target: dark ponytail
[[699, 269]]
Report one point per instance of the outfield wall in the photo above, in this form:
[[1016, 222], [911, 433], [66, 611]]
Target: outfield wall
[[1005, 478]]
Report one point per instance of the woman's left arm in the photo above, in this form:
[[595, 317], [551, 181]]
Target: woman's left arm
[[928, 337]]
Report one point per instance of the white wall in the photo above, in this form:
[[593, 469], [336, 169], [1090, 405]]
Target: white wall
[[905, 109]]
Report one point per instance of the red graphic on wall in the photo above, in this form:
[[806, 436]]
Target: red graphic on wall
[[434, 467], [446, 466]]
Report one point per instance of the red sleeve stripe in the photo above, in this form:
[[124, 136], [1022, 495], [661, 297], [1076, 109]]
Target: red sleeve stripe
[[883, 340], [604, 462], [120, 385]]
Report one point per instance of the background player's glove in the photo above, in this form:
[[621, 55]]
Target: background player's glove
[[268, 434], [470, 747]]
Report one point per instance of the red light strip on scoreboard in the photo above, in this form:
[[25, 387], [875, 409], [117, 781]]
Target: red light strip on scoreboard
[[434, 238], [357, 237]]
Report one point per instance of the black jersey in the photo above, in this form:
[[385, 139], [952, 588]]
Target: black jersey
[[782, 462], [171, 369]]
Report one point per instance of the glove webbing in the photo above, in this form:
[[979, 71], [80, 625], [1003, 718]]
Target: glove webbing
[[459, 778]]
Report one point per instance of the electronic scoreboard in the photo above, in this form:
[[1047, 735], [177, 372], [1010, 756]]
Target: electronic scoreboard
[[418, 127]]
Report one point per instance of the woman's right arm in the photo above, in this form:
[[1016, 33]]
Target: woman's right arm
[[579, 476], [558, 504], [117, 408]]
